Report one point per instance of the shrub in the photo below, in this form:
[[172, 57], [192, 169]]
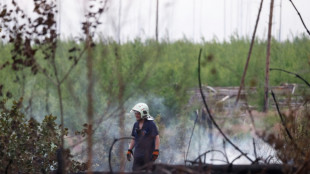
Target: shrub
[[292, 143], [27, 146]]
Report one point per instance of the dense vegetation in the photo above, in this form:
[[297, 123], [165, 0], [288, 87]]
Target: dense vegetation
[[151, 70], [89, 84], [160, 74]]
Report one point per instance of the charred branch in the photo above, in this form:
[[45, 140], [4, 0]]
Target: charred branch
[[211, 117], [198, 159], [296, 75], [303, 23], [110, 151], [281, 117]]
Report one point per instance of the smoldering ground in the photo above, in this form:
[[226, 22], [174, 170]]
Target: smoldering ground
[[175, 133]]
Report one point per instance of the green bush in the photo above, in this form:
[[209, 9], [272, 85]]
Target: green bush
[[27, 146]]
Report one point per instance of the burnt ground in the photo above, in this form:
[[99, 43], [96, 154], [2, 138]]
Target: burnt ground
[[213, 169]]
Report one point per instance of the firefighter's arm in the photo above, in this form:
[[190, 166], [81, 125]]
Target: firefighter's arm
[[132, 144], [129, 152], [157, 142], [156, 151]]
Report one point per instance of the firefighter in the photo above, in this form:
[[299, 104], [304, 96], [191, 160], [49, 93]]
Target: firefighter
[[146, 139]]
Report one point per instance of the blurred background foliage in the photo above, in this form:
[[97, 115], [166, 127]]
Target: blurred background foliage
[[149, 70], [160, 74], [49, 74]]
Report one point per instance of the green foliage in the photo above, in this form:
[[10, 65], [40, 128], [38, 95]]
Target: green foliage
[[27, 146], [160, 74], [148, 69], [270, 120]]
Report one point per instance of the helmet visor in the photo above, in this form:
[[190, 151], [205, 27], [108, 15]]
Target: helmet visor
[[135, 112]]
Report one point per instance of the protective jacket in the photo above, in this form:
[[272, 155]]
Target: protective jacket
[[144, 140]]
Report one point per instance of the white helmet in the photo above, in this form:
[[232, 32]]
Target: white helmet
[[143, 109]]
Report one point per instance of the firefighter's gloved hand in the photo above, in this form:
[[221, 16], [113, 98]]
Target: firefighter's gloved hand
[[129, 153], [155, 154]]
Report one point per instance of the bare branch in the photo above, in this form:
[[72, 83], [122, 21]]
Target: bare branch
[[250, 114], [46, 74], [303, 23], [72, 66], [211, 117], [237, 158], [218, 160], [285, 127], [249, 54], [190, 139], [281, 117], [225, 153], [254, 147], [296, 75], [110, 151], [205, 153]]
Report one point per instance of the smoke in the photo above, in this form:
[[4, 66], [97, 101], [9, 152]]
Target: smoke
[[204, 140], [175, 130], [175, 136]]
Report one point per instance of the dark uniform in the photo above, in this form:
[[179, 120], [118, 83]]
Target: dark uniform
[[144, 143]]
